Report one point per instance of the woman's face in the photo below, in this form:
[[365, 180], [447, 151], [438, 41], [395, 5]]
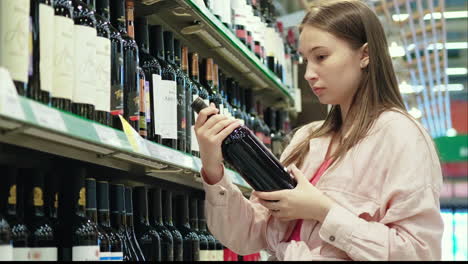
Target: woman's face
[[333, 67]]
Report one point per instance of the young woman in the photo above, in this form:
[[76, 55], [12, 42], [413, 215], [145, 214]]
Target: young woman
[[369, 177]]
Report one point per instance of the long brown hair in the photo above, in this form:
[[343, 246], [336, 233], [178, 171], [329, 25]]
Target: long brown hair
[[354, 22]]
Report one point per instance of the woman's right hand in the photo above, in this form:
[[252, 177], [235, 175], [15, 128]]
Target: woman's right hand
[[210, 135]]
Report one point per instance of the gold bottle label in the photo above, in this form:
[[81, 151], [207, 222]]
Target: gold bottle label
[[82, 199], [12, 197], [56, 201], [38, 197]]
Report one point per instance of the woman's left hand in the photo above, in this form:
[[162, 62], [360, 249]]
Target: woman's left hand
[[303, 202]]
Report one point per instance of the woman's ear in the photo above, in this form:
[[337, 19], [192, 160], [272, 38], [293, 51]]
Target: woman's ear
[[364, 56]]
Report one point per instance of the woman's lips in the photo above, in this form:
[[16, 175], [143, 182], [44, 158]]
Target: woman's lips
[[318, 90]]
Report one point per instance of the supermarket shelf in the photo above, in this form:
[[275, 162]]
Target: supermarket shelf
[[52, 131], [203, 32]]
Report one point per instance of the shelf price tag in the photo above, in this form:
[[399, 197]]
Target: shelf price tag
[[136, 141], [10, 104], [48, 117], [107, 135]]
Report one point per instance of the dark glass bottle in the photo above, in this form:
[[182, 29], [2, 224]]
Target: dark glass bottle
[[115, 242], [202, 226], [116, 63], [206, 75], [144, 95], [182, 87], [84, 86], [194, 68], [52, 199], [131, 99], [119, 220], [147, 236], [215, 96], [193, 216], [78, 235], [64, 56], [91, 213], [151, 69], [176, 235], [255, 163], [14, 34], [15, 214], [103, 64], [41, 71], [167, 110], [156, 220], [42, 241], [6, 241], [188, 100], [191, 240], [130, 228]]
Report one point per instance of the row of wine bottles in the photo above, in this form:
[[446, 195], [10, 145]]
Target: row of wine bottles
[[49, 217], [255, 24], [94, 59]]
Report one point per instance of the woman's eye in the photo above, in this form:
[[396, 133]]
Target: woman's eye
[[321, 57]]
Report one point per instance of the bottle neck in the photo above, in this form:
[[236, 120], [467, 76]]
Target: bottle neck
[[102, 9], [202, 225], [118, 220], [118, 16], [104, 218], [92, 214], [130, 11], [129, 220], [185, 64], [194, 224]]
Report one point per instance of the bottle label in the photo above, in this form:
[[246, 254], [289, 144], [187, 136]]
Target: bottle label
[[38, 197], [220, 255], [116, 256], [142, 108], [194, 142], [181, 111], [103, 72], [14, 36], [147, 102], [56, 201], [85, 253], [6, 252], [84, 88], [82, 197], [205, 255], [105, 256], [46, 28], [20, 254], [156, 79], [43, 254], [12, 196], [167, 99], [64, 73]]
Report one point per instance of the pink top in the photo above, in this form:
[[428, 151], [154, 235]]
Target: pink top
[[386, 191], [296, 234]]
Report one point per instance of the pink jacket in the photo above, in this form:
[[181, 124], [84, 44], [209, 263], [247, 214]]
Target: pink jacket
[[386, 191]]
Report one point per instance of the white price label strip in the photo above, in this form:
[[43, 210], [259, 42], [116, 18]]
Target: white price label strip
[[48, 117], [9, 101], [107, 135]]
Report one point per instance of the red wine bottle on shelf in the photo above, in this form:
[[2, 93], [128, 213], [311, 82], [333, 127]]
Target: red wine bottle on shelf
[[84, 86], [211, 254], [156, 219], [130, 227], [42, 240], [193, 215], [148, 238], [116, 244], [191, 239], [255, 162], [6, 240], [176, 235], [92, 214], [64, 58]]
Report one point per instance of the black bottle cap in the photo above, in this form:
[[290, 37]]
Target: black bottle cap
[[201, 209], [193, 209], [102, 8], [141, 33], [117, 11], [117, 201], [140, 196], [169, 45], [128, 201], [198, 105], [90, 194], [156, 41], [103, 196]]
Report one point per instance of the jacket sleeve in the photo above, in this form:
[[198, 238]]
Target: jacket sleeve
[[237, 222], [411, 225]]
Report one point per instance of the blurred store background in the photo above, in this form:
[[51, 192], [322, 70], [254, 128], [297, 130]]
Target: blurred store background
[[428, 40]]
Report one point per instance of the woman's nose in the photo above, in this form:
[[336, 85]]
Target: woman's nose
[[310, 74]]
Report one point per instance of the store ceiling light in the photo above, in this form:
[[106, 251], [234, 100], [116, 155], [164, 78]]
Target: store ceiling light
[[415, 112], [456, 71], [436, 15], [406, 88], [396, 51], [454, 87]]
